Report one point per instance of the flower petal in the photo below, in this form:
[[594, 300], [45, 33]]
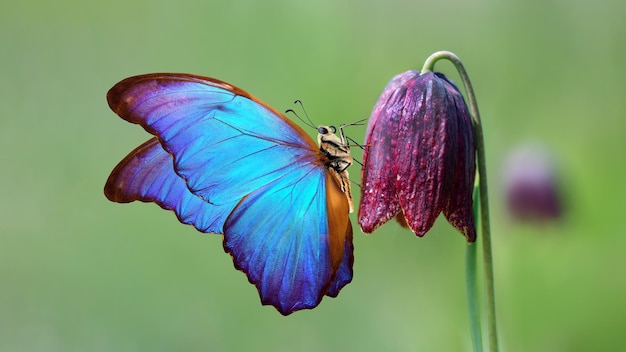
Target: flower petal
[[458, 211], [419, 161], [378, 193]]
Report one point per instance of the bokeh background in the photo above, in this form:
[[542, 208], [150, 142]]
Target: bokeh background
[[78, 273]]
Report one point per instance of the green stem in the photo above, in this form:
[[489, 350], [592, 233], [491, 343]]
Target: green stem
[[484, 199], [472, 292]]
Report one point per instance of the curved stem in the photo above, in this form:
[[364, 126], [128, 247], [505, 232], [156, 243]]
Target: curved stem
[[484, 199]]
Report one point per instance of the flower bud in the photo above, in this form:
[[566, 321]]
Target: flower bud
[[531, 185]]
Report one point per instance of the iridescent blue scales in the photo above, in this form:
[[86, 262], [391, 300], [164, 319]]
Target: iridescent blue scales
[[227, 163]]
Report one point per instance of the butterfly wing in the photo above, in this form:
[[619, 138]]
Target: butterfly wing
[[300, 266], [221, 137], [147, 175], [288, 227], [344, 273]]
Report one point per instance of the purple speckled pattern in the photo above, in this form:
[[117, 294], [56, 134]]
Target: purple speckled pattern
[[419, 157]]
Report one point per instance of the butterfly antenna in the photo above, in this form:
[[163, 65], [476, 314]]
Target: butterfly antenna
[[298, 101], [308, 121], [299, 118]]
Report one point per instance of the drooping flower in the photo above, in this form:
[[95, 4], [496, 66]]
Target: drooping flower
[[419, 157], [531, 185]]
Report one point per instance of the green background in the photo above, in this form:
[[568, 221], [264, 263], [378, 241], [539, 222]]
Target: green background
[[79, 273]]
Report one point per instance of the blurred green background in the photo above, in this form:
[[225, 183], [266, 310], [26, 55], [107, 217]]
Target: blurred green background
[[79, 273]]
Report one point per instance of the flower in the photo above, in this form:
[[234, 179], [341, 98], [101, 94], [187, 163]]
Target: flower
[[419, 157], [531, 185]]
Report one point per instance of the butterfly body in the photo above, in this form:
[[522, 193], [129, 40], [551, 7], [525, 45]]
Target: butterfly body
[[337, 151], [227, 163]]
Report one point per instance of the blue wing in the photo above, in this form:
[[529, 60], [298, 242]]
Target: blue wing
[[225, 144], [147, 175], [301, 265], [238, 167]]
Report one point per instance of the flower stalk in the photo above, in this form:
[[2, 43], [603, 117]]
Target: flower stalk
[[472, 284], [483, 194]]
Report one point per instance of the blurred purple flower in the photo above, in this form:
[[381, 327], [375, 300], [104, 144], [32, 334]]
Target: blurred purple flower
[[419, 156], [531, 185]]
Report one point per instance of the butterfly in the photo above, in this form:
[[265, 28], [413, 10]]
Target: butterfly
[[227, 163]]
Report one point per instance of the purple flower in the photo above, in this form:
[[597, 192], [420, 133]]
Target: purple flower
[[531, 185], [419, 156]]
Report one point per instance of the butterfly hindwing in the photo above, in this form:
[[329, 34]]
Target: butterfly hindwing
[[147, 175]]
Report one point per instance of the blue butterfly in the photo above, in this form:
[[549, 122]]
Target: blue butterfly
[[227, 163]]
